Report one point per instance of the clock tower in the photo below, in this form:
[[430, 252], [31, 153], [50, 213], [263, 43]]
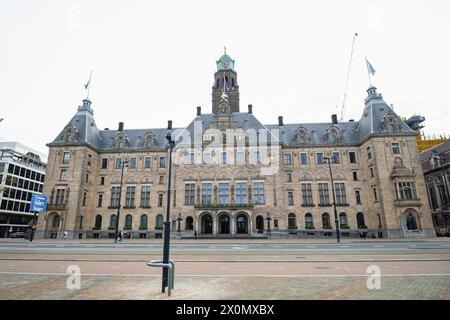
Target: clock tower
[[225, 81]]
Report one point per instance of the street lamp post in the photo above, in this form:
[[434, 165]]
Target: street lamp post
[[179, 222], [336, 221], [268, 218], [167, 222], [120, 201]]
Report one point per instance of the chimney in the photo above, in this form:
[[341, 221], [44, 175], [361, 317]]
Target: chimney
[[106, 129], [199, 111], [280, 121], [169, 125], [121, 126], [351, 120], [250, 107], [334, 118]]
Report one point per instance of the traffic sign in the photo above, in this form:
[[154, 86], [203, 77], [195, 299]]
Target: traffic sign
[[38, 203]]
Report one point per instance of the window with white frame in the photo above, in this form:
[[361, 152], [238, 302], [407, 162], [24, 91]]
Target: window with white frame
[[207, 190], [303, 158], [341, 198], [189, 194], [324, 197], [319, 158], [241, 193], [306, 194], [395, 148], [240, 158], [224, 193], [287, 160], [258, 192], [405, 190], [145, 196]]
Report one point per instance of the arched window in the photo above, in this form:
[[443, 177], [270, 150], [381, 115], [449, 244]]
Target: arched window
[[98, 221], [292, 221], [144, 221], [189, 223], [326, 221], [113, 221], [411, 222], [128, 221], [391, 127], [159, 221], [379, 220], [343, 219], [217, 83], [309, 221], [56, 221], [232, 82], [360, 220]]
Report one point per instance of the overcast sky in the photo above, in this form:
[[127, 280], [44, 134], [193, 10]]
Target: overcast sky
[[154, 60]]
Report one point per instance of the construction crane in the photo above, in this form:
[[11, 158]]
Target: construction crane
[[348, 76]]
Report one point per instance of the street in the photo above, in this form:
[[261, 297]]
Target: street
[[226, 269]]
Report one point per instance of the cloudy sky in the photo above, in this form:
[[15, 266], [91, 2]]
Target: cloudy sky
[[154, 60]]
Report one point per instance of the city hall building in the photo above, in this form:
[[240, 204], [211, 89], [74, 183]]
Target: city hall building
[[233, 176]]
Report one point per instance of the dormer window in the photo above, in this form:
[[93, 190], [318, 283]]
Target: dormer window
[[332, 135], [70, 134], [390, 123], [121, 141], [301, 136], [149, 140]]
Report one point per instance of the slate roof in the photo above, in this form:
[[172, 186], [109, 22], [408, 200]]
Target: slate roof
[[353, 133]]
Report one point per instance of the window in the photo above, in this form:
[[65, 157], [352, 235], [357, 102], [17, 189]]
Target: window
[[113, 221], [189, 223], [129, 200], [160, 199], [207, 193], [189, 194], [355, 175], [223, 158], [84, 198], [395, 148], [358, 196], [343, 220], [411, 222], [145, 196], [161, 179], [87, 177], [289, 176], [207, 158], [290, 198], [147, 162], [352, 156], [375, 197], [98, 221], [319, 158], [369, 153], [371, 172], [190, 158], [224, 193], [128, 221], [162, 162], [144, 222], [324, 197], [307, 199], [66, 157], [336, 157], [275, 223], [60, 196], [89, 159], [340, 193], [100, 200], [405, 190], [240, 158], [133, 163], [326, 221], [118, 163], [258, 192], [292, 221], [159, 222], [63, 175], [115, 196], [104, 163], [287, 159], [258, 157], [102, 181], [303, 158], [360, 220], [309, 221], [241, 193]]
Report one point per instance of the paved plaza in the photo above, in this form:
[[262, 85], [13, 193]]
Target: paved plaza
[[227, 269]]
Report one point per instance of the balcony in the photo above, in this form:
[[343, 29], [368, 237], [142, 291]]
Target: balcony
[[408, 202], [224, 206]]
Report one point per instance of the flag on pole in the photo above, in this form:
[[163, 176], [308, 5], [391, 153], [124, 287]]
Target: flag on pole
[[370, 69], [86, 86]]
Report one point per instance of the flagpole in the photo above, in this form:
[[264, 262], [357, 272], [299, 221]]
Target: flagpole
[[368, 73]]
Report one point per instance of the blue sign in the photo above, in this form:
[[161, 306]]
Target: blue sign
[[38, 203]]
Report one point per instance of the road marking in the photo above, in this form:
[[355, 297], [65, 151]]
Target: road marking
[[378, 246], [310, 246], [445, 245], [344, 246]]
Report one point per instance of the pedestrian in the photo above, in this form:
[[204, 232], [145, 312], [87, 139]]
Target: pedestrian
[[65, 235], [119, 237], [195, 234]]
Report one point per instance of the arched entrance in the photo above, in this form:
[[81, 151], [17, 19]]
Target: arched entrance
[[53, 224], [206, 224], [259, 224], [241, 224], [224, 223]]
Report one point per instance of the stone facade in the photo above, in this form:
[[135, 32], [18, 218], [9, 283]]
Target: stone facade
[[235, 177]]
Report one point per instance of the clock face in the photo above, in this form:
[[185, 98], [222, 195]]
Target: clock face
[[225, 63]]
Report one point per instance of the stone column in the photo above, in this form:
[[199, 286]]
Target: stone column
[[232, 224], [214, 224]]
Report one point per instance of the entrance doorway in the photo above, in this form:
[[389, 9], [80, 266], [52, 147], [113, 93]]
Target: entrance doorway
[[259, 224], [242, 224], [207, 224], [224, 224]]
